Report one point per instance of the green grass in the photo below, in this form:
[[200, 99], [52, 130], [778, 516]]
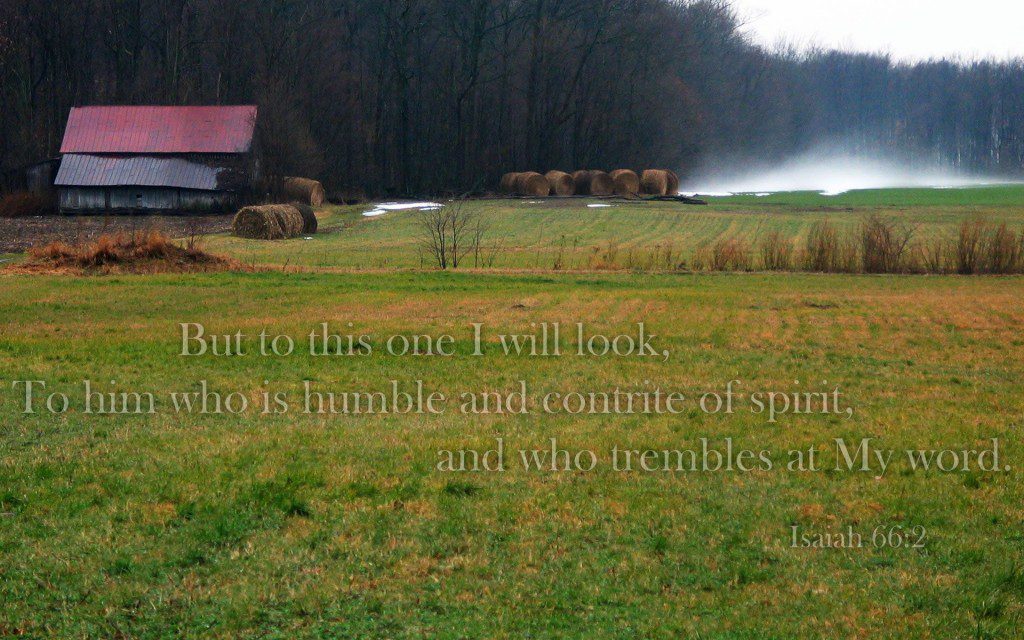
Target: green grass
[[542, 234], [307, 526]]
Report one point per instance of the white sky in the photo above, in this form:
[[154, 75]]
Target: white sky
[[907, 29]]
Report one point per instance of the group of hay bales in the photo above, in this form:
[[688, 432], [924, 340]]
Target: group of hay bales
[[274, 221], [587, 182]]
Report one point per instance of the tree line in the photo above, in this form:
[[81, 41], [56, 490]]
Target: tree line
[[431, 96]]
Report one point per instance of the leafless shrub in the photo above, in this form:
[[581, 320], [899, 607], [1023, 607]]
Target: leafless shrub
[[929, 256], [776, 252], [448, 234], [969, 246], [883, 244], [1002, 251], [821, 252]]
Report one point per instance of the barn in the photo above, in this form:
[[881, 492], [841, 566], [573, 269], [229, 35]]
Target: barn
[[157, 159]]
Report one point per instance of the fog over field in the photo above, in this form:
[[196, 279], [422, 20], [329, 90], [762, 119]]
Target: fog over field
[[832, 172]]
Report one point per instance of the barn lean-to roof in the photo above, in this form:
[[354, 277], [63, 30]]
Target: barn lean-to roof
[[160, 130], [83, 170]]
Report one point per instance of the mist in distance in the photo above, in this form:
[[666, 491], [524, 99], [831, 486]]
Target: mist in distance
[[831, 172]]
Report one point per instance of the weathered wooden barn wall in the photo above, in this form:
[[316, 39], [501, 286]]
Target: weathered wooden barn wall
[[143, 200]]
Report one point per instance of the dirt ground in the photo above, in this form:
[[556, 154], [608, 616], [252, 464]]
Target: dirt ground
[[18, 234]]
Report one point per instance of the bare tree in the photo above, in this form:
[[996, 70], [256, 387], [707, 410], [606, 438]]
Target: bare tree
[[450, 233]]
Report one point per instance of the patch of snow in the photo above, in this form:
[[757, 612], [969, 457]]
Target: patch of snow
[[598, 206], [384, 207], [708, 194]]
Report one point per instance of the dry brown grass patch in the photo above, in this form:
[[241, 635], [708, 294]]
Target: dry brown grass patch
[[122, 252]]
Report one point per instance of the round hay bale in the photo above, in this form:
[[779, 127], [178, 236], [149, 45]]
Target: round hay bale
[[257, 223], [290, 220], [309, 222], [303, 190], [627, 183], [268, 222], [508, 183], [673, 183], [654, 182], [561, 183], [532, 184], [582, 180], [601, 184]]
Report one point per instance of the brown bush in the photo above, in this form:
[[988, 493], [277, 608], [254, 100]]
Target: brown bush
[[730, 254], [532, 184], [776, 252], [821, 251], [969, 246], [268, 222], [1002, 251], [654, 182], [561, 183], [883, 244], [24, 204], [627, 183], [303, 190], [933, 255]]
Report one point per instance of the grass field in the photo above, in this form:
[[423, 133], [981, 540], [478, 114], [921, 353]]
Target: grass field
[[526, 234], [311, 526]]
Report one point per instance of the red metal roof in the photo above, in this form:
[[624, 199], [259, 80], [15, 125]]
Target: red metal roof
[[160, 130], [136, 171]]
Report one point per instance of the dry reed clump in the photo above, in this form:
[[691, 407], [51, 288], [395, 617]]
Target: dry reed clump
[[561, 183], [508, 183], [309, 221], [730, 254], [268, 222], [626, 183], [24, 204], [776, 252], [654, 182], [123, 252], [532, 184], [303, 190]]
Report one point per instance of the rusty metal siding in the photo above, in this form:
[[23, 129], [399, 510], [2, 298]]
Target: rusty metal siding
[[159, 130], [145, 171]]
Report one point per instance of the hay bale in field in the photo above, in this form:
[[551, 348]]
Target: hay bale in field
[[673, 183], [601, 184], [303, 190], [627, 183], [508, 183], [309, 222], [561, 183], [268, 222], [532, 184], [654, 182], [582, 180]]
